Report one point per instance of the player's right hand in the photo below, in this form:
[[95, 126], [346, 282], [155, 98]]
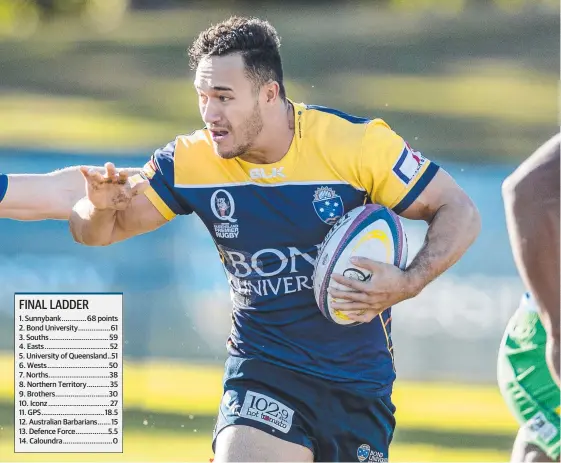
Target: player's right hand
[[111, 189]]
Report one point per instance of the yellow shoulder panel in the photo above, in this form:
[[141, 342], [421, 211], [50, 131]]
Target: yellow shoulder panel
[[331, 148], [389, 168]]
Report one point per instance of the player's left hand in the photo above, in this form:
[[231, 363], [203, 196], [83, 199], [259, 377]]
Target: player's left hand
[[364, 300]]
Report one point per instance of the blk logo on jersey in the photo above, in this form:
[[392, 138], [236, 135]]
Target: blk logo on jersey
[[409, 164], [223, 207], [275, 172], [328, 205]]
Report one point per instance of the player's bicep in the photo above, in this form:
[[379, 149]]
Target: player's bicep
[[440, 191], [140, 217]]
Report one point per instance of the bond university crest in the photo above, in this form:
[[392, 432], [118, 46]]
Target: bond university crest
[[328, 205]]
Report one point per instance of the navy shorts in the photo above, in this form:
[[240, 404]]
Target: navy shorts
[[334, 422]]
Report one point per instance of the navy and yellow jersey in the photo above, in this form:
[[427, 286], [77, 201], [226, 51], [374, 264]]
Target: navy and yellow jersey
[[268, 221]]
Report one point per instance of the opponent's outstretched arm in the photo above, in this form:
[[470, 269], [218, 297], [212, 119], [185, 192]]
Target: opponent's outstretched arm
[[114, 208], [44, 196], [531, 198]]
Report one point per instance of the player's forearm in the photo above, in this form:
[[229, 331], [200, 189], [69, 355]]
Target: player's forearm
[[452, 230], [44, 196], [91, 226]]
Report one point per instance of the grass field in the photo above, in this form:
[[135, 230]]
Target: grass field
[[170, 408], [132, 84], [170, 447]]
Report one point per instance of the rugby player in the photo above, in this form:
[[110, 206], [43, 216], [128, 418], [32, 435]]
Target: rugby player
[[528, 363], [43, 196], [268, 177]]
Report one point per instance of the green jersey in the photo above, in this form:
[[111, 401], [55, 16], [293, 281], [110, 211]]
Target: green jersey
[[525, 380]]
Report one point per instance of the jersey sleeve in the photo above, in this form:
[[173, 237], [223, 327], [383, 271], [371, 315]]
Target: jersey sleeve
[[392, 172], [160, 171], [3, 186]]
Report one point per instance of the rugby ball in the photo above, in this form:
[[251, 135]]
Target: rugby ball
[[370, 231]]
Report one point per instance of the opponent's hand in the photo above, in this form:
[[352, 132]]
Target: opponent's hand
[[363, 301], [110, 189]]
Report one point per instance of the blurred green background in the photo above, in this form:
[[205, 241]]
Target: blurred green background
[[471, 84], [473, 79]]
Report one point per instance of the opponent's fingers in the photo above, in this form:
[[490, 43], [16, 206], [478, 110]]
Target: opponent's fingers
[[88, 172], [122, 177], [348, 295], [111, 170], [351, 282], [93, 176]]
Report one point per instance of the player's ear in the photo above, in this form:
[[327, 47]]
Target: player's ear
[[272, 91]]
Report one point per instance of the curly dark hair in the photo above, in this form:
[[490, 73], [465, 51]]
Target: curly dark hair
[[255, 39]]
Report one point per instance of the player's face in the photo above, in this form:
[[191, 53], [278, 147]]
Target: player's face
[[229, 104]]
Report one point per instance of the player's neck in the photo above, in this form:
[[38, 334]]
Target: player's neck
[[276, 137]]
